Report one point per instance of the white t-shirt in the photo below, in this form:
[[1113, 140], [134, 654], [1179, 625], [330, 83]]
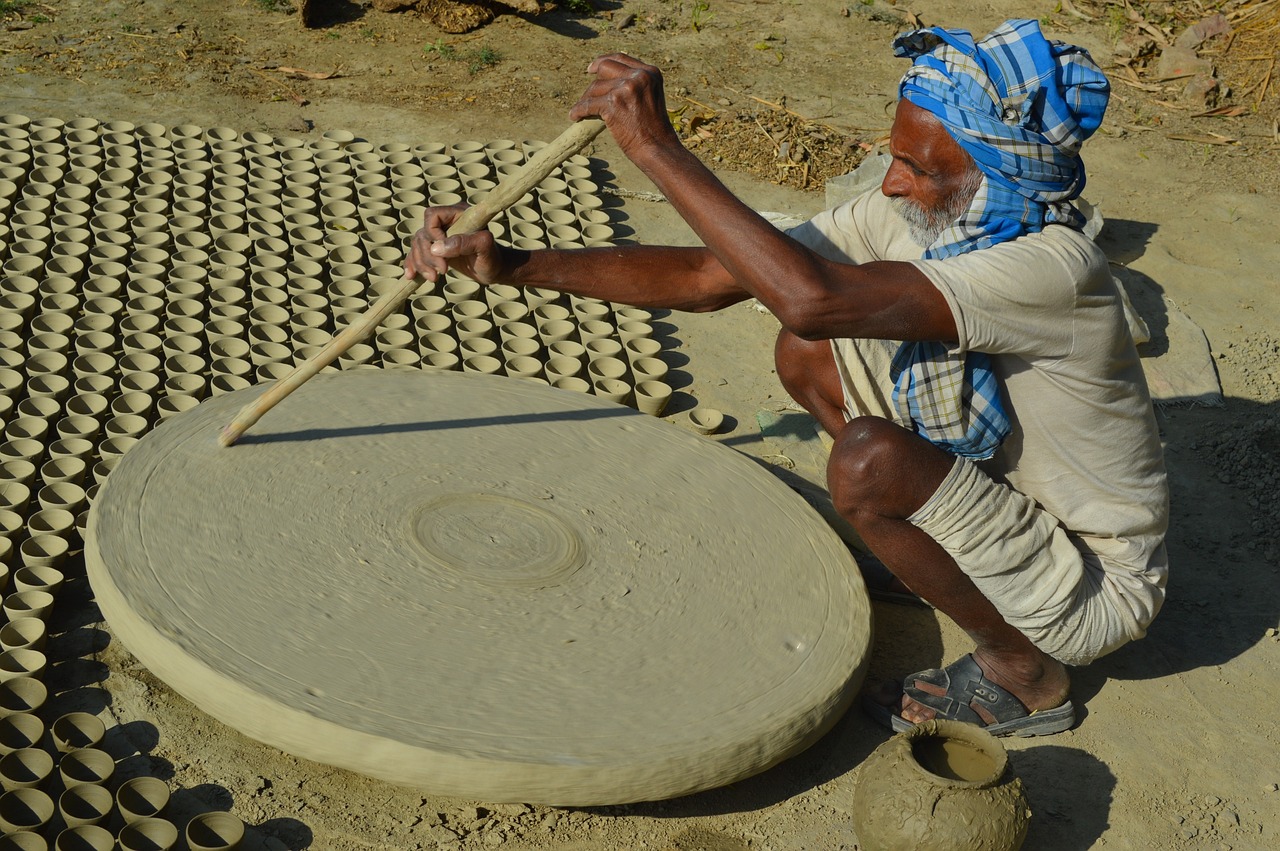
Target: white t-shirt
[[1084, 444]]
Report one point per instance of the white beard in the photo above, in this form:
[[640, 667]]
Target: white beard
[[927, 224]]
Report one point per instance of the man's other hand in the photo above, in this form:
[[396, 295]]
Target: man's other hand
[[433, 251]]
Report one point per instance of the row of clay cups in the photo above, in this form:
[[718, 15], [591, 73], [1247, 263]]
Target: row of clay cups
[[49, 441], [80, 437], [27, 812], [16, 496], [68, 732], [39, 555], [26, 604], [215, 831]]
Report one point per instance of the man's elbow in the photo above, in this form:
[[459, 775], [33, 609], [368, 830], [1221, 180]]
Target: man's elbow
[[804, 321]]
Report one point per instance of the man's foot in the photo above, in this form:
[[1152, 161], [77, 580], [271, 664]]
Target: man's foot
[[980, 693]]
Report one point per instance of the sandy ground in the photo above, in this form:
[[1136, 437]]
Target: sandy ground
[[1178, 744]]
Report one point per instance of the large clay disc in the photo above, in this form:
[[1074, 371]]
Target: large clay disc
[[481, 587]]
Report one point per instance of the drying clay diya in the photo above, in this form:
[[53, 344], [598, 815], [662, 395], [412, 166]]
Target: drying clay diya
[[481, 587]]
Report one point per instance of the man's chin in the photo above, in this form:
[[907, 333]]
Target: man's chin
[[923, 232]]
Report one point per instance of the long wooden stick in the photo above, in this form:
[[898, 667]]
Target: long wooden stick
[[510, 189]]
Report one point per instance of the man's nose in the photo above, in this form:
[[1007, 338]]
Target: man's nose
[[896, 183]]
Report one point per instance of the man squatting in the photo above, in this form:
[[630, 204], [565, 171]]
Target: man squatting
[[959, 337]]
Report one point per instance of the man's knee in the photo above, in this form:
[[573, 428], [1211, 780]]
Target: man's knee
[[807, 370], [879, 466]]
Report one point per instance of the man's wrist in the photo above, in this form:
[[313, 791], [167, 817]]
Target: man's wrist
[[514, 262]]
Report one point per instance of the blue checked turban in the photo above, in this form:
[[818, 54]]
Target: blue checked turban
[[1021, 106]]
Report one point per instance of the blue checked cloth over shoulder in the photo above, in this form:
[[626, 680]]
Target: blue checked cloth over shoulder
[[1021, 106]]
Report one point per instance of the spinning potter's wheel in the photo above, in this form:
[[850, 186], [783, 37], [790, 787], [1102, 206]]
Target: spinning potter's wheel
[[481, 587]]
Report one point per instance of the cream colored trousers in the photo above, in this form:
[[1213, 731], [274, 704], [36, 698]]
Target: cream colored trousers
[[1018, 555]]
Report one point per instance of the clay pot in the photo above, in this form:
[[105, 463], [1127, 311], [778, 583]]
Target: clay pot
[[940, 785]]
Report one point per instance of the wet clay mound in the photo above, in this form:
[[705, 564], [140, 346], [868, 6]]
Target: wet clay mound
[[481, 587]]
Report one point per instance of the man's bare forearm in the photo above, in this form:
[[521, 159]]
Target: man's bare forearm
[[688, 279]]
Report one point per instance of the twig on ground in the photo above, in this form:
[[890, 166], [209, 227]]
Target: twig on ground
[[638, 195]]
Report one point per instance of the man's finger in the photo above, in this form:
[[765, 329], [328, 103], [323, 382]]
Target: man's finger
[[618, 61]]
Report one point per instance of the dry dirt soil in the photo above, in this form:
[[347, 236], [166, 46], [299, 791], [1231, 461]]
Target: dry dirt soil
[[1179, 744]]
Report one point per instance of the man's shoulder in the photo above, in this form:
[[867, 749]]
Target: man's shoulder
[[860, 230], [1058, 252]]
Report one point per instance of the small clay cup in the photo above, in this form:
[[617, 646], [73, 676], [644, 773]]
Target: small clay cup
[[649, 369], [24, 633], [44, 550], [41, 578], [18, 471], [607, 368], [612, 389], [18, 732], [65, 494], [86, 765], [86, 804], [25, 810], [27, 604], [632, 330], [595, 329], [523, 366], [25, 768], [562, 367], [15, 664], [141, 798], [63, 470], [214, 831], [21, 696], [652, 397], [23, 840], [484, 364], [446, 361], [148, 834], [705, 420], [555, 330], [77, 730], [176, 404], [83, 837], [603, 348], [570, 382]]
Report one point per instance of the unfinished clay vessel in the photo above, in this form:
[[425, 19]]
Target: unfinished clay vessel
[[942, 785]]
